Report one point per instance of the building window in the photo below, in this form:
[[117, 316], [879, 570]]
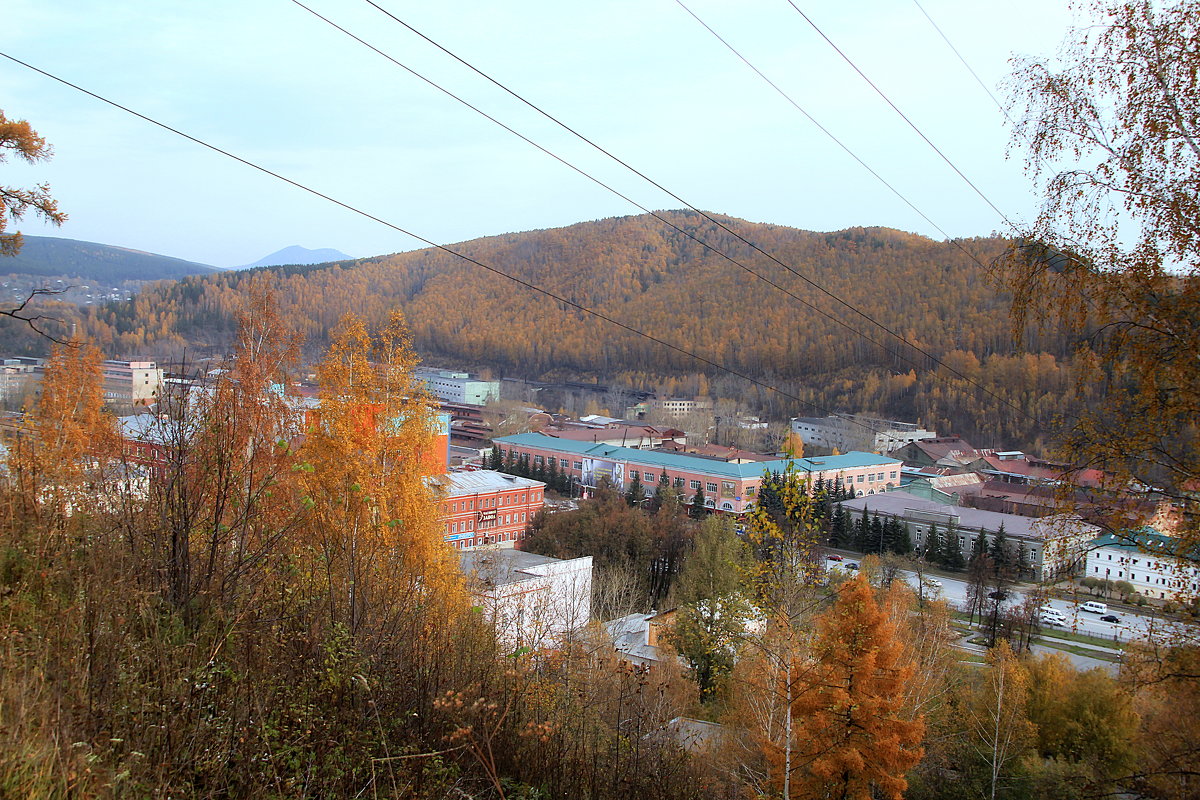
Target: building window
[[860, 478], [578, 465], [694, 485], [678, 482], [648, 477], [892, 475], [711, 488], [751, 491]]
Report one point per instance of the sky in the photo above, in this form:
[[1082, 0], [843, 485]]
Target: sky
[[270, 82]]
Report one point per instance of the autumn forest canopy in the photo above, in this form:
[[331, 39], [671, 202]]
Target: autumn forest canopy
[[651, 277]]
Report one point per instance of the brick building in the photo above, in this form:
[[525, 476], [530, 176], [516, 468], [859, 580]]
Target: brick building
[[484, 507], [730, 486]]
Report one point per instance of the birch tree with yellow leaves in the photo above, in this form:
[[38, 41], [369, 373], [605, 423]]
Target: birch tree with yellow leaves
[[365, 477]]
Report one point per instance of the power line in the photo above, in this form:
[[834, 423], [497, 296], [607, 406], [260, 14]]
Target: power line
[[494, 270], [954, 49], [904, 117], [716, 250], [849, 306]]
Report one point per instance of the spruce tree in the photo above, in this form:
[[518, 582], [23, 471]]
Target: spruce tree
[[999, 549], [698, 501], [979, 549], [952, 557], [901, 541], [510, 462], [636, 492], [933, 545], [551, 475], [496, 461], [877, 543]]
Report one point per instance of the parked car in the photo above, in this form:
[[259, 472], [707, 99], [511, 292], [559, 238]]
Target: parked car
[[851, 565], [1048, 619], [834, 557], [998, 595], [936, 584], [1110, 618]]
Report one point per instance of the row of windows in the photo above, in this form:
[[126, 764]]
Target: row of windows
[[469, 525], [493, 502], [479, 541], [678, 481]]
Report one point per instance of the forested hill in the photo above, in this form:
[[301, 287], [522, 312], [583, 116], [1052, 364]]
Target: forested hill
[[660, 281], [52, 256]]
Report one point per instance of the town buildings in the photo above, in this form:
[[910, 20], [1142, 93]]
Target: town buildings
[[532, 600], [484, 507], [727, 485], [1048, 546], [1148, 561], [845, 432]]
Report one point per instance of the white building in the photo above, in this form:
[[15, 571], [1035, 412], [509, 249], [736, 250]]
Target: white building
[[532, 600], [1146, 561], [458, 387], [136, 382], [848, 432]]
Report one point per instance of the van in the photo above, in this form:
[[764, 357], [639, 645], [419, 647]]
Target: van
[[1050, 612], [1095, 608]]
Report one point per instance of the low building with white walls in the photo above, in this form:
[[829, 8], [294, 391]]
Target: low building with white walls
[[458, 387], [532, 600], [847, 432], [1146, 560]]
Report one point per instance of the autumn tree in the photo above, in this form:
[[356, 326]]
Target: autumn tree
[[1111, 131], [19, 138], [856, 741], [64, 459], [999, 727], [366, 481], [713, 610]]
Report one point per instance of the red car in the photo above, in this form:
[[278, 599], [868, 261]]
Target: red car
[[835, 557]]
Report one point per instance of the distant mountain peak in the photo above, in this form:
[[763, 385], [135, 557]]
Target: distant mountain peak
[[296, 254]]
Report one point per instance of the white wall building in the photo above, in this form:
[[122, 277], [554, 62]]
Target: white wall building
[[458, 387], [848, 432], [532, 600], [1145, 561]]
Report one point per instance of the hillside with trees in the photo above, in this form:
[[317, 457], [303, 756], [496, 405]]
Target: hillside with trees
[[663, 282]]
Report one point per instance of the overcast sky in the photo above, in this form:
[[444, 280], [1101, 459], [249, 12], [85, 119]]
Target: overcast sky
[[270, 82]]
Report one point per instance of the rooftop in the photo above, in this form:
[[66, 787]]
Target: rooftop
[[682, 461], [902, 504], [480, 481], [502, 566]]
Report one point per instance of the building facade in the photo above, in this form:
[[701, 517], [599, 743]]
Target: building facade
[[727, 486], [484, 507], [1147, 562], [532, 600], [458, 387], [847, 432]]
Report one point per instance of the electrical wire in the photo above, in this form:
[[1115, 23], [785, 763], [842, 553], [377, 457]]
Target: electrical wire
[[494, 270], [904, 117], [656, 215], [849, 306], [954, 49]]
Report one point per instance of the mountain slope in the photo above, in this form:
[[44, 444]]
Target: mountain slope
[[52, 256], [662, 282]]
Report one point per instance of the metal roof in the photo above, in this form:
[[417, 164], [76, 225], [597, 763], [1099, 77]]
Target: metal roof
[[691, 463]]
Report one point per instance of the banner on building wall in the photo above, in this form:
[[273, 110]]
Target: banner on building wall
[[596, 470]]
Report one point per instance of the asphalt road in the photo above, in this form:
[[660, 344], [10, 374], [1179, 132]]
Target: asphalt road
[[1130, 627]]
